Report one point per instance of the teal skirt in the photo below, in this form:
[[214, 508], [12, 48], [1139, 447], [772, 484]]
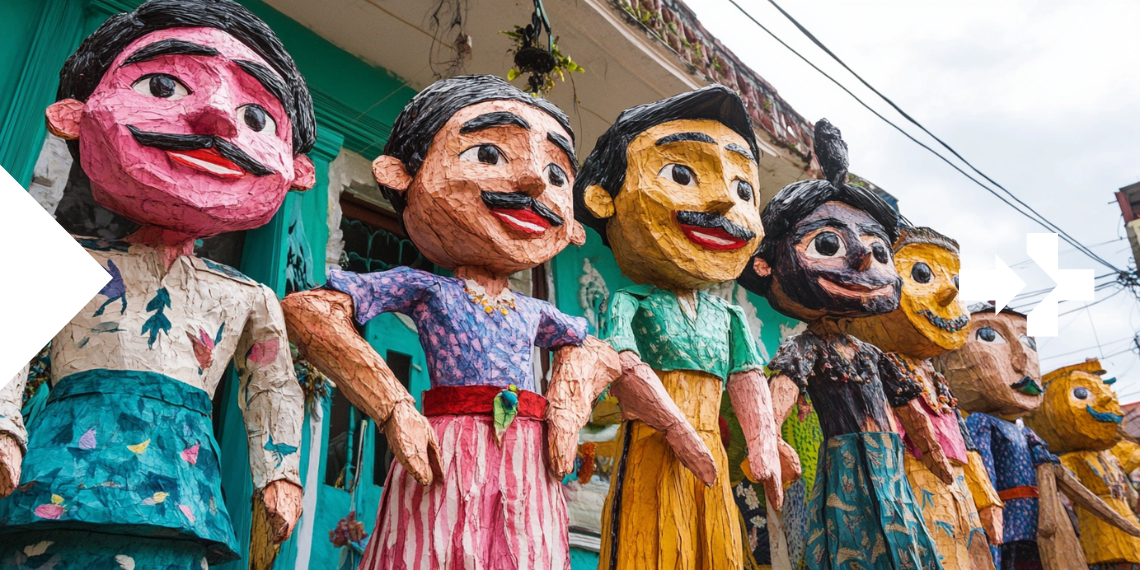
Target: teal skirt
[[126, 453], [862, 513], [79, 550]]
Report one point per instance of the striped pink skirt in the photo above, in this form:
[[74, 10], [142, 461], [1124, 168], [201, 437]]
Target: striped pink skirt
[[495, 508]]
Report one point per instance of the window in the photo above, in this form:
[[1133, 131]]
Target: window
[[401, 366]]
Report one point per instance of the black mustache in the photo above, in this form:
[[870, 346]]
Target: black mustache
[[712, 222], [520, 201], [172, 142]]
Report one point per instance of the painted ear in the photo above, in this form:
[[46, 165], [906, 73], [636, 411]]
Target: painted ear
[[577, 233], [761, 267], [63, 118], [304, 173], [598, 202], [389, 171]]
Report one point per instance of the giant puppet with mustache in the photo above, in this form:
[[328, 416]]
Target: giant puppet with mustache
[[191, 120], [481, 174], [827, 257], [670, 188]]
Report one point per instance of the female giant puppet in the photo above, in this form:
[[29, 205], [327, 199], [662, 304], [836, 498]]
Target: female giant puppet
[[826, 256], [190, 119], [482, 175], [670, 187], [931, 320]]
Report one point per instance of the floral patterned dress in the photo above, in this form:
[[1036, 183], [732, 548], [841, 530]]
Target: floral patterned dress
[[497, 505], [125, 445]]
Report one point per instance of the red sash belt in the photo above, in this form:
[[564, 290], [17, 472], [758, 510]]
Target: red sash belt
[[1024, 492], [477, 401]]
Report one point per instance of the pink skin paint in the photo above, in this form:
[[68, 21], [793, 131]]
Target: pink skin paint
[[180, 196]]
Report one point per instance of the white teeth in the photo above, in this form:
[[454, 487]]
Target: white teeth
[[215, 168], [713, 239], [522, 224]]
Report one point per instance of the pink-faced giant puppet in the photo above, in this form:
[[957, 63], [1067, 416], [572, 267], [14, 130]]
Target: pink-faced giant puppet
[[191, 120]]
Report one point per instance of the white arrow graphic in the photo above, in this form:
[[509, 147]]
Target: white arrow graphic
[[47, 277], [999, 284], [1072, 284]]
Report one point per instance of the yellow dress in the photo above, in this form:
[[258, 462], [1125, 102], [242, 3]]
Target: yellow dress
[[1101, 473], [668, 518]]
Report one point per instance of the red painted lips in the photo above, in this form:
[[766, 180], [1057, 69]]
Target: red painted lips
[[712, 238], [525, 221], [207, 160]]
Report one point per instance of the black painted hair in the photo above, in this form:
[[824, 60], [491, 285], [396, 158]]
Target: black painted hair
[[85, 68], [799, 199], [607, 163], [909, 235], [430, 109]]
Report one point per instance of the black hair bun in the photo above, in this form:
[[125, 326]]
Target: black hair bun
[[832, 152]]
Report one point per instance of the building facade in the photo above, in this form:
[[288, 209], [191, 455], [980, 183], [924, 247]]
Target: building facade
[[363, 60]]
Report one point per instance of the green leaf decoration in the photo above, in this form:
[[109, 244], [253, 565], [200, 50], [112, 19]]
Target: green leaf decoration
[[158, 321], [506, 407]]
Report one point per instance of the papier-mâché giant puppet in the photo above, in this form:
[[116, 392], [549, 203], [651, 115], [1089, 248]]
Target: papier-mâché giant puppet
[[826, 256], [191, 120], [1080, 420], [671, 187], [996, 378], [482, 175], [932, 320]]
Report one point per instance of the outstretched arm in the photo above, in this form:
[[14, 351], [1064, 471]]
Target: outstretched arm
[[921, 432], [320, 324], [13, 436], [784, 395], [748, 392], [579, 376], [643, 397]]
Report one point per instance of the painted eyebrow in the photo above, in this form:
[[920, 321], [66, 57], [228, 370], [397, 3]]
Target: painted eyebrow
[[733, 147], [873, 229], [168, 47], [685, 137], [268, 80], [564, 144], [820, 223], [496, 119]]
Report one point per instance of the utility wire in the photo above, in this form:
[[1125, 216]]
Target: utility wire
[[1041, 220]]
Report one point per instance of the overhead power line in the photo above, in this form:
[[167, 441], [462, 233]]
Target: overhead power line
[[1031, 214]]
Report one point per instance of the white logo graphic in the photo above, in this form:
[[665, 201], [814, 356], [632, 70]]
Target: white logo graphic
[[1001, 284], [47, 277]]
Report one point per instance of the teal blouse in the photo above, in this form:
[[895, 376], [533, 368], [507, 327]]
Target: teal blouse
[[649, 321]]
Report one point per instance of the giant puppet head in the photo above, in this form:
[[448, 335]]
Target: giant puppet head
[[481, 174], [670, 186], [188, 116], [996, 371], [1080, 411], [827, 250], [931, 318]]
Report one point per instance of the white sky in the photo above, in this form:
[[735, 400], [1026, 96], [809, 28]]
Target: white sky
[[1042, 96]]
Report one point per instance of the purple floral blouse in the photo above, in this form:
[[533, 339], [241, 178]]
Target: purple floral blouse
[[465, 343]]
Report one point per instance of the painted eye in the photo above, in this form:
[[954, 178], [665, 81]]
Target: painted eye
[[161, 85], [990, 336], [743, 189], [1029, 342], [680, 174], [879, 251], [921, 273], [555, 175], [484, 153], [826, 244], [257, 119], [1081, 393]]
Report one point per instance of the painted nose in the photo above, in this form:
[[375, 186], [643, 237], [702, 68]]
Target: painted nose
[[946, 295], [214, 120], [530, 183], [861, 255]]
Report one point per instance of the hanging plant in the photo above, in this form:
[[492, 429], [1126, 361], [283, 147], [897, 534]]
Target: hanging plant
[[542, 64]]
